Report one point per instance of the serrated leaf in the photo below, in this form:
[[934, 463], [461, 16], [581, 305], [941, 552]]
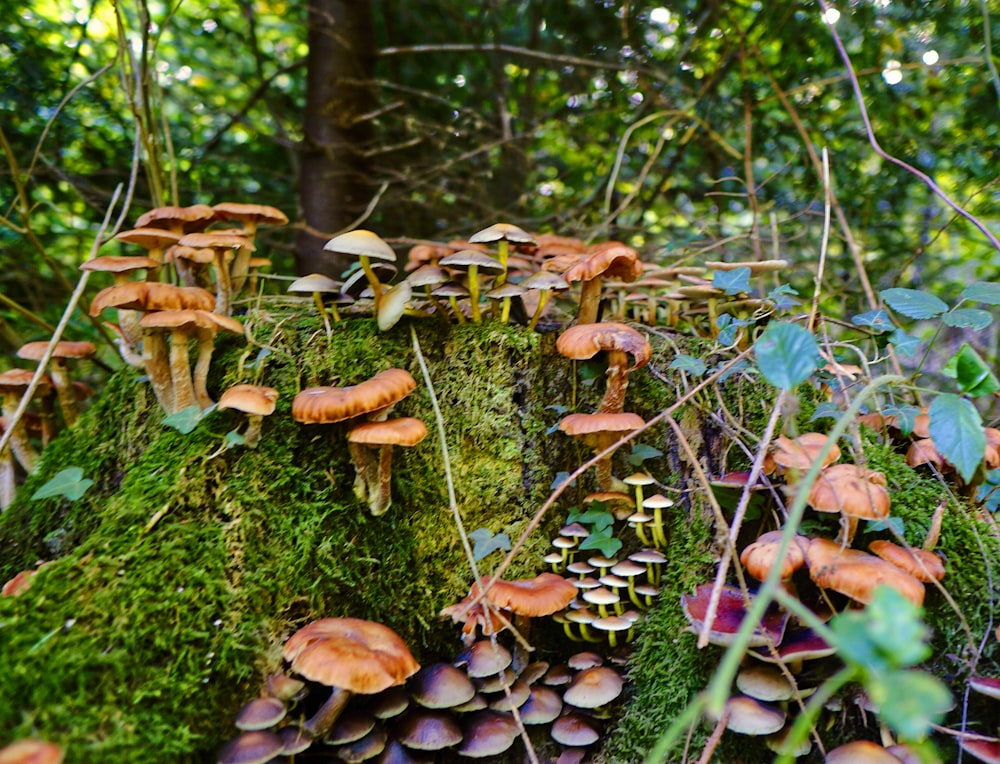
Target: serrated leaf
[[968, 318], [69, 483], [689, 363], [786, 354], [732, 282], [184, 421], [957, 430], [905, 344], [876, 320], [913, 303], [485, 543], [986, 292], [906, 416], [910, 701]]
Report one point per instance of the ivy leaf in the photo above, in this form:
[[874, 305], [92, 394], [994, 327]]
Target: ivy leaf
[[876, 320], [906, 416], [233, 438], [185, 420], [905, 344], [894, 524], [786, 354], [732, 282], [957, 430], [599, 519], [973, 375], [69, 483], [603, 541], [825, 410], [968, 318], [986, 292], [559, 479], [910, 701], [485, 543], [689, 363], [913, 303], [641, 452]]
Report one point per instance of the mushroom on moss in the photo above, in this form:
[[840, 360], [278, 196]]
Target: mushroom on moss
[[251, 217], [372, 483], [59, 370], [856, 574], [502, 234], [856, 492], [620, 341], [364, 245], [223, 245], [13, 384], [351, 656], [610, 259], [317, 285], [256, 401], [599, 431], [372, 398], [472, 261]]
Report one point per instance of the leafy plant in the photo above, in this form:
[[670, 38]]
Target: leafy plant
[[68, 483]]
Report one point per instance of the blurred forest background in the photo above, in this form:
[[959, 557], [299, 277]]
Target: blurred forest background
[[691, 129]]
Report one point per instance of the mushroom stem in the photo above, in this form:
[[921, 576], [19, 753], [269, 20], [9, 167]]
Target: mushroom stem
[[373, 281], [251, 436], [474, 293], [19, 442], [223, 287], [522, 626], [604, 477], [365, 469], [59, 373], [318, 299], [206, 347], [543, 300], [590, 301], [659, 537], [934, 532], [617, 385], [47, 414], [180, 371], [155, 358], [453, 301], [8, 478], [381, 500], [321, 722]]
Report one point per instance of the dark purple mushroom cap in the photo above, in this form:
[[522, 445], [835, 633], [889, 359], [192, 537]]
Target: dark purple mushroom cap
[[441, 685], [487, 733], [575, 730], [260, 714], [729, 617], [427, 730], [295, 739], [255, 747], [484, 659], [353, 724], [367, 747], [594, 687], [542, 706], [518, 693], [986, 685]]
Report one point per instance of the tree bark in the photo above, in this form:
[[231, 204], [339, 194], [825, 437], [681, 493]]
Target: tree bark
[[335, 183]]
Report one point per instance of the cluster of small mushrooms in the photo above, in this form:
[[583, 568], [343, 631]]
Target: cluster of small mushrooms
[[353, 692]]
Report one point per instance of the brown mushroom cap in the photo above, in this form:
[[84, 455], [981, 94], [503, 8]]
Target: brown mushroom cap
[[499, 231], [119, 263], [256, 214], [401, 431], [250, 399], [857, 574], [30, 751], [860, 752], [149, 238], [352, 654], [922, 564], [193, 218], [33, 351], [594, 687], [325, 405], [216, 240], [544, 594], [799, 453], [146, 295], [609, 259], [586, 340], [852, 490], [361, 243], [760, 556]]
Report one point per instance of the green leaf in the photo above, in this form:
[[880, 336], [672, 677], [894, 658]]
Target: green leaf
[[689, 363], [913, 303], [876, 320], [786, 354], [968, 318], [485, 542], [732, 282], [641, 452], [957, 430], [972, 374], [910, 701], [184, 421], [906, 416], [986, 292], [234, 438], [826, 410], [69, 483], [905, 344], [603, 541]]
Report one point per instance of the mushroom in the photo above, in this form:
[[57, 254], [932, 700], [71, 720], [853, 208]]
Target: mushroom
[[222, 244], [856, 574], [351, 656], [317, 285], [729, 617], [59, 371], [472, 260], [181, 325], [922, 564], [155, 241], [121, 268], [372, 482], [584, 341], [29, 751], [364, 245], [503, 234], [13, 384], [795, 456], [546, 283], [599, 431], [608, 259], [855, 492], [250, 216], [256, 401], [255, 746], [196, 217]]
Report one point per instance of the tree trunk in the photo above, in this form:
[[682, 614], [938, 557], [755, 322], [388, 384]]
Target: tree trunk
[[334, 182]]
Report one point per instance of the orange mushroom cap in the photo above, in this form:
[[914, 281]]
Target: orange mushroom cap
[[325, 405], [586, 340], [856, 574], [922, 564]]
